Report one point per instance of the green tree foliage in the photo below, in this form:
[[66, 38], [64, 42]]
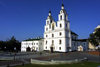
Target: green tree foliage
[[10, 45], [2, 45], [95, 37]]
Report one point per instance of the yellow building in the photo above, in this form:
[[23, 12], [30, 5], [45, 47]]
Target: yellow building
[[91, 46]]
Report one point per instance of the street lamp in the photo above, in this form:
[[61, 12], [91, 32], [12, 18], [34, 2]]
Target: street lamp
[[5, 48], [15, 52]]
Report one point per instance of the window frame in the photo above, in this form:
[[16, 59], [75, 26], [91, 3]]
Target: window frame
[[60, 25], [60, 33], [60, 41], [59, 48], [46, 41], [60, 17], [52, 35]]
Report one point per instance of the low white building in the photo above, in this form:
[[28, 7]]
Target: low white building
[[32, 45]]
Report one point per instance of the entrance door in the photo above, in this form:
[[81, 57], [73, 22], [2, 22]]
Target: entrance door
[[28, 49], [51, 49]]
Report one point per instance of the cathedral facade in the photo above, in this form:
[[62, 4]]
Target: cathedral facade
[[57, 37]]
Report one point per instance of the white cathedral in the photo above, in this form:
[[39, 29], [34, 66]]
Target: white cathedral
[[57, 37]]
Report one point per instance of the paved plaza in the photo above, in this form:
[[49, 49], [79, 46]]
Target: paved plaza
[[24, 58]]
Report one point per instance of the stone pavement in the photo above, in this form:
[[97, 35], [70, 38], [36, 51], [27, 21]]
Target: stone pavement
[[71, 56], [20, 58], [25, 57]]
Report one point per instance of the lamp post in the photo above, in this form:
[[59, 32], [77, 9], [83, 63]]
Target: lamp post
[[5, 48], [15, 52]]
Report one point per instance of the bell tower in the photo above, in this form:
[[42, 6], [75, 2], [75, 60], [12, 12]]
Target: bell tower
[[49, 18], [57, 36], [62, 15], [64, 25]]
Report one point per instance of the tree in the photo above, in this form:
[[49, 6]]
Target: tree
[[13, 43], [2, 45], [95, 37], [9, 45]]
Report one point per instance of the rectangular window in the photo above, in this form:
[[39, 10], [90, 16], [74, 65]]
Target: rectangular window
[[47, 22], [60, 33], [46, 35], [46, 47], [46, 42], [61, 17], [60, 42], [59, 48], [52, 35]]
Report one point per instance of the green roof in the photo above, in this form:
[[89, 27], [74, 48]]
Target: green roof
[[81, 40], [34, 39], [73, 33]]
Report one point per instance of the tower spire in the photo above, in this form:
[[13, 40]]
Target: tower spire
[[62, 7], [62, 3], [49, 12]]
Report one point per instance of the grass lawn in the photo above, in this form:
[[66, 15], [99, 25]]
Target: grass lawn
[[81, 64]]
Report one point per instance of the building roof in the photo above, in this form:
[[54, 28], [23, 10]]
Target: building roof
[[74, 33], [82, 40], [33, 39]]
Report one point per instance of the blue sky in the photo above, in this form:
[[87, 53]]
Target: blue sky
[[26, 18]]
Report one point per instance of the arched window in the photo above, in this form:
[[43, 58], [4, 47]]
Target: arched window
[[59, 48], [46, 42], [59, 41], [52, 35], [46, 35], [53, 26], [60, 25], [60, 33], [47, 22]]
